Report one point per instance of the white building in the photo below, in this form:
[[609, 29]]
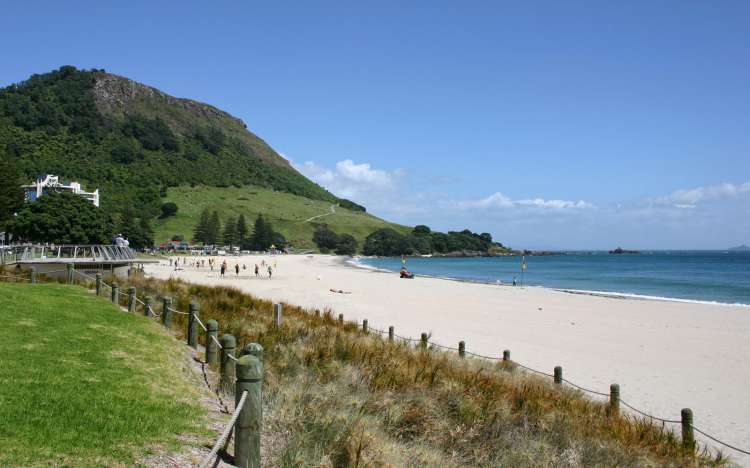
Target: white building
[[50, 183]]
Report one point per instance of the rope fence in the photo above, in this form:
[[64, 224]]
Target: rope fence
[[425, 340], [217, 342], [197, 319], [15, 277], [222, 440], [583, 389]]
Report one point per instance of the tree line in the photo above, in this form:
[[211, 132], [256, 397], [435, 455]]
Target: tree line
[[422, 240], [234, 232]]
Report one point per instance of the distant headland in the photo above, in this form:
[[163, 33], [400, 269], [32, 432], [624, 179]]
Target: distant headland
[[739, 248], [620, 250]]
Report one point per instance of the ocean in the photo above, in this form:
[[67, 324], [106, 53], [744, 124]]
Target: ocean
[[700, 276]]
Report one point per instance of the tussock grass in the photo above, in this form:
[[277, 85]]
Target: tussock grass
[[334, 396]]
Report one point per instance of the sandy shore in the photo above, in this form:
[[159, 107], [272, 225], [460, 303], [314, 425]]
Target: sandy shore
[[665, 355]]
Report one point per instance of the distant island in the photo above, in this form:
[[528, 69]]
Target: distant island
[[740, 248], [620, 250]]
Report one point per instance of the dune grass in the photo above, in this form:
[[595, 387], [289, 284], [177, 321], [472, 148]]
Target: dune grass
[[85, 384], [286, 212], [334, 396]]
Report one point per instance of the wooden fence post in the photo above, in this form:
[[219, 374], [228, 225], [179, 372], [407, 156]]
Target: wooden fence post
[[277, 314], [248, 426], [341, 318], [423, 341], [461, 349], [166, 312], [70, 273], [33, 275], [212, 333], [192, 338], [364, 326], [688, 438], [98, 284], [390, 333], [614, 400], [506, 355], [558, 375], [115, 293], [226, 370], [148, 307], [131, 299]]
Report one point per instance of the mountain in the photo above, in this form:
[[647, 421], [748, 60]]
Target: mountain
[[740, 248], [142, 147], [133, 141], [137, 144]]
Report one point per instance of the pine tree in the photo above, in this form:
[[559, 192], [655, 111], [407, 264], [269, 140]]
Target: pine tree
[[241, 231], [214, 229], [260, 239], [269, 236], [200, 233], [230, 232]]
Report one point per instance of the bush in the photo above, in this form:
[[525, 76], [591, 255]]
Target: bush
[[168, 209], [385, 242], [62, 218], [347, 245], [325, 238]]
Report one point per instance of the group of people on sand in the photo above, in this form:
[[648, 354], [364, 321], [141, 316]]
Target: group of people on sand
[[223, 266]]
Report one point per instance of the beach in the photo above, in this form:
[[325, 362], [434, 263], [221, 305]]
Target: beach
[[665, 355]]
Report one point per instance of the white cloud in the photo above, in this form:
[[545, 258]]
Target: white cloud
[[689, 198], [498, 200], [556, 204], [364, 173], [360, 182], [685, 218]]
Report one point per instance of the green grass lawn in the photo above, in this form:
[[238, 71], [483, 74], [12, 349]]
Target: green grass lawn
[[84, 383], [286, 212]]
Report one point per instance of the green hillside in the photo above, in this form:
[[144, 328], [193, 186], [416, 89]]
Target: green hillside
[[288, 213], [133, 142]]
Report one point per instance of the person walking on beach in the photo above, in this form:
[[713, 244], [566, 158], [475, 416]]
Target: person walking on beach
[[270, 271], [237, 269], [257, 271], [514, 281], [223, 269]]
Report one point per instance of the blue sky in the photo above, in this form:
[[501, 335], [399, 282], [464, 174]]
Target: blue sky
[[548, 124]]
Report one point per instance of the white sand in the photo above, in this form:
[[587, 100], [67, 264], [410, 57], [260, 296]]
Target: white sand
[[665, 355]]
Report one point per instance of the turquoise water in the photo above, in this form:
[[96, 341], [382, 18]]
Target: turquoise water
[[712, 276]]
